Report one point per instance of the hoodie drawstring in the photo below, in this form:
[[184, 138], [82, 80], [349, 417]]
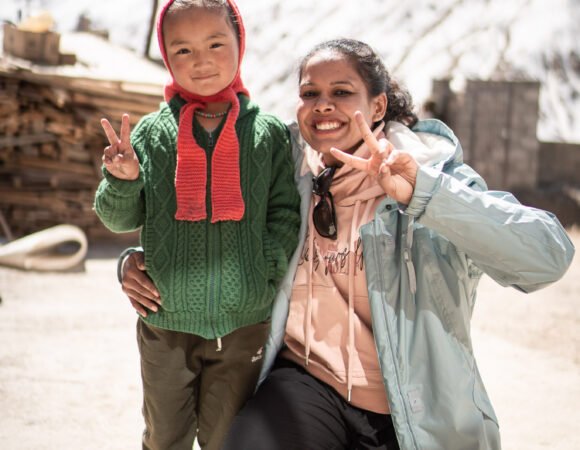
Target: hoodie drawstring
[[308, 317], [351, 272], [352, 255]]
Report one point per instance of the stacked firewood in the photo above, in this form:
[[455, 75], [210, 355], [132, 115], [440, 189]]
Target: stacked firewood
[[51, 144]]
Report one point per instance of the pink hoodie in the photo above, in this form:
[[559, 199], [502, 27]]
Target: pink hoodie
[[329, 328]]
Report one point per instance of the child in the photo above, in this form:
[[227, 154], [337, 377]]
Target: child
[[209, 180]]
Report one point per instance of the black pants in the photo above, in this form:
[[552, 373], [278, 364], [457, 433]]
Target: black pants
[[292, 410]]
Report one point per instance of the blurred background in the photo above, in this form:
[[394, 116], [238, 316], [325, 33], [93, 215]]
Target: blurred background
[[505, 75]]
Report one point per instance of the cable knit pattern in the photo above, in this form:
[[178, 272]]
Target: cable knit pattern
[[213, 277], [190, 175]]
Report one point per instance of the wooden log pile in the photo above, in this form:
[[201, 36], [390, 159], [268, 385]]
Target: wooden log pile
[[51, 143]]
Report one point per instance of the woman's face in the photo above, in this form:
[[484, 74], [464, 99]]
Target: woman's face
[[331, 91]]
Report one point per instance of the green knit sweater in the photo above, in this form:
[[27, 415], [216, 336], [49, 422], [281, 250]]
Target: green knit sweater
[[213, 278]]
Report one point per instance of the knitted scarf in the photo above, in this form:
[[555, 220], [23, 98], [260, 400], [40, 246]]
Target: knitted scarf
[[191, 172]]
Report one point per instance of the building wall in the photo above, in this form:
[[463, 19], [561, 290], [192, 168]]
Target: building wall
[[496, 124], [559, 163]]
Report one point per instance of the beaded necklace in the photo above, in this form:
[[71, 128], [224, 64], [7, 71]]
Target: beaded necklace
[[207, 115]]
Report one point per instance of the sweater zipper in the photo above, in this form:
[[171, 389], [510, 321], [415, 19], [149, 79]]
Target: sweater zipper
[[213, 253]]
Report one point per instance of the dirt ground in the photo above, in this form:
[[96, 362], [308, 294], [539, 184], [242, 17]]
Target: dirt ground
[[69, 376]]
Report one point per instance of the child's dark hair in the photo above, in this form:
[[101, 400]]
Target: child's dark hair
[[217, 5], [377, 79]]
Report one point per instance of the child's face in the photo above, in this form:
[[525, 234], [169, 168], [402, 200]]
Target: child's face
[[202, 50], [331, 90]]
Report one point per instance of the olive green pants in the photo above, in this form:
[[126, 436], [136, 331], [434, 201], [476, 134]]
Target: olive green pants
[[192, 388]]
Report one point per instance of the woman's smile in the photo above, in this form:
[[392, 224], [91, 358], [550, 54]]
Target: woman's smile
[[328, 125]]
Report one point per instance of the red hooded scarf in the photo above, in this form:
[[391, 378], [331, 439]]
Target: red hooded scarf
[[190, 174]]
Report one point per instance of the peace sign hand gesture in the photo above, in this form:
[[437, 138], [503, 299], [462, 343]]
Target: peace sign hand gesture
[[396, 171], [119, 157]]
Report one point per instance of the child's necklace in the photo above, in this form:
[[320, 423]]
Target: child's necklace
[[207, 115]]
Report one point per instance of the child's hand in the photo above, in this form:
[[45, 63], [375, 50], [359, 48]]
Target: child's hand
[[119, 157], [395, 170]]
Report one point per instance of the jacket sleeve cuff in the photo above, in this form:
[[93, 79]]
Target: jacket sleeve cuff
[[426, 185], [122, 258]]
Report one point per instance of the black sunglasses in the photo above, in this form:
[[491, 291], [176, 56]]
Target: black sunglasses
[[323, 214]]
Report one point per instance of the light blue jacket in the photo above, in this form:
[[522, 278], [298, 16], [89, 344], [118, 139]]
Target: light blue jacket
[[423, 264]]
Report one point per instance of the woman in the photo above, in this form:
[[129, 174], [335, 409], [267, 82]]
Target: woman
[[381, 358]]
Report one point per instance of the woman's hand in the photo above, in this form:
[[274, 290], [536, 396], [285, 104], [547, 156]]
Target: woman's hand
[[119, 157], [140, 289], [396, 171]]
